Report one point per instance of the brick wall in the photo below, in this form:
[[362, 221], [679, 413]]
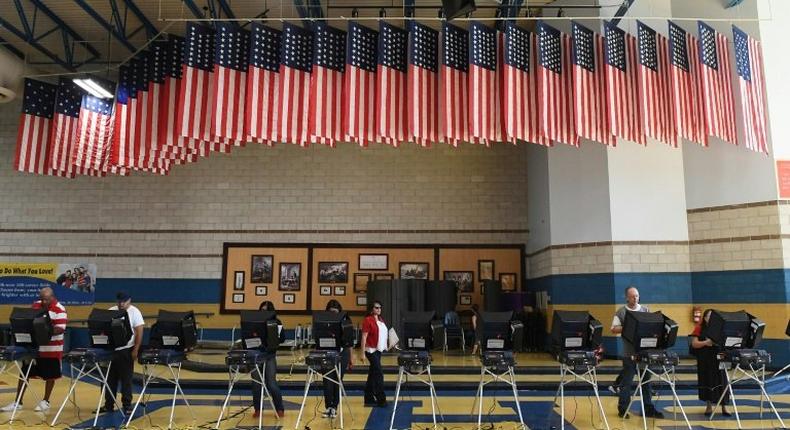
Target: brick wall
[[174, 226]]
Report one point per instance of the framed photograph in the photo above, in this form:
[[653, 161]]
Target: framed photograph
[[466, 299], [340, 290], [289, 298], [383, 276], [333, 272], [290, 276], [414, 270], [362, 300], [509, 281], [361, 282], [261, 268], [485, 270], [373, 262], [325, 290], [238, 297], [465, 280], [261, 290], [238, 280]]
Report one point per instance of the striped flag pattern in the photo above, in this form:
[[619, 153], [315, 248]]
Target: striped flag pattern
[[717, 96], [484, 122], [622, 85], [33, 140], [453, 95], [422, 85], [555, 85], [654, 86], [64, 129], [589, 86], [262, 111], [325, 120], [684, 74], [175, 147], [94, 134], [749, 62], [295, 67], [521, 86], [391, 84], [231, 50], [359, 87]]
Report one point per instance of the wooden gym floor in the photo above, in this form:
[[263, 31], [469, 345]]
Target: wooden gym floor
[[455, 401]]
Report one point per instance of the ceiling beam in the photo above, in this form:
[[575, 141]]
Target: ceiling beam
[[118, 33], [194, 8], [30, 40], [150, 28], [64, 27], [223, 4], [13, 49], [622, 11]]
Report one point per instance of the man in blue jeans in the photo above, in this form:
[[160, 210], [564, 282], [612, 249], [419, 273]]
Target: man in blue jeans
[[626, 376]]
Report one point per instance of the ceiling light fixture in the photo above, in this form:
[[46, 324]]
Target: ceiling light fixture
[[93, 88]]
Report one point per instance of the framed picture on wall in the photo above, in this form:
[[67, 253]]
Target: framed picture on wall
[[290, 276], [261, 290], [362, 300], [238, 297], [509, 281], [361, 282], [373, 261], [325, 290], [261, 269], [485, 270], [333, 271], [289, 298], [466, 299], [238, 280], [340, 290], [383, 276], [464, 279], [414, 270]]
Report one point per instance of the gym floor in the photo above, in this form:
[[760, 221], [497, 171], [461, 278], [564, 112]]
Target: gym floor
[[455, 377]]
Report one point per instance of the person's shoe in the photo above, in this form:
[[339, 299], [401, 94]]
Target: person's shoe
[[104, 409], [382, 403], [654, 413], [280, 413], [725, 413], [614, 389], [622, 413], [11, 407], [370, 401], [329, 413], [127, 410], [42, 406], [256, 414]]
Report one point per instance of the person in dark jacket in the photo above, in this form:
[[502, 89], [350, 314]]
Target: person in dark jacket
[[711, 380], [270, 376], [331, 389]]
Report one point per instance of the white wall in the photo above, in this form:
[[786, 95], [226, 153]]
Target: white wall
[[538, 213], [773, 34]]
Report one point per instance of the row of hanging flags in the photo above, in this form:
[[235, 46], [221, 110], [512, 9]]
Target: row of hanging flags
[[220, 87]]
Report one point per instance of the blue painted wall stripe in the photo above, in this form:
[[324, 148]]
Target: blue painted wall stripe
[[160, 290]]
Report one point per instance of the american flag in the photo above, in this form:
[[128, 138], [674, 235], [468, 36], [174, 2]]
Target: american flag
[[520, 89], [326, 85], [391, 84], [718, 104], [484, 123], [157, 77], [589, 86], [176, 147], [453, 95], [120, 150], [422, 85], [147, 110], [555, 85], [359, 89], [749, 62], [654, 86], [196, 95], [94, 133], [295, 66], [231, 50], [64, 128], [686, 97], [622, 85], [262, 110], [33, 137]]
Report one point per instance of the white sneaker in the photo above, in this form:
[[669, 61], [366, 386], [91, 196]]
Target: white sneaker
[[42, 406], [11, 407]]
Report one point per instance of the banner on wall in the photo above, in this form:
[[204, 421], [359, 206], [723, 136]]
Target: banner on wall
[[73, 283]]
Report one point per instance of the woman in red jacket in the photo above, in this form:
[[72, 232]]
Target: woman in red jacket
[[374, 342]]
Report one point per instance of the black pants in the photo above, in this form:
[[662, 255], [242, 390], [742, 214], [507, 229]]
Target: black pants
[[374, 387], [120, 370], [270, 379], [332, 390]]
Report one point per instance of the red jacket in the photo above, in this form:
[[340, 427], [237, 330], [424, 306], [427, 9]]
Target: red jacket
[[370, 327]]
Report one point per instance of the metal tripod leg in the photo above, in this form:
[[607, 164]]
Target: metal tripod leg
[[561, 389], [515, 395], [594, 384], [397, 397], [434, 397], [732, 397], [233, 377], [147, 378], [25, 384], [307, 383], [72, 387], [480, 398]]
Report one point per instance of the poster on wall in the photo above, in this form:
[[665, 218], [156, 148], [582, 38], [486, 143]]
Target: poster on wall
[[73, 283]]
